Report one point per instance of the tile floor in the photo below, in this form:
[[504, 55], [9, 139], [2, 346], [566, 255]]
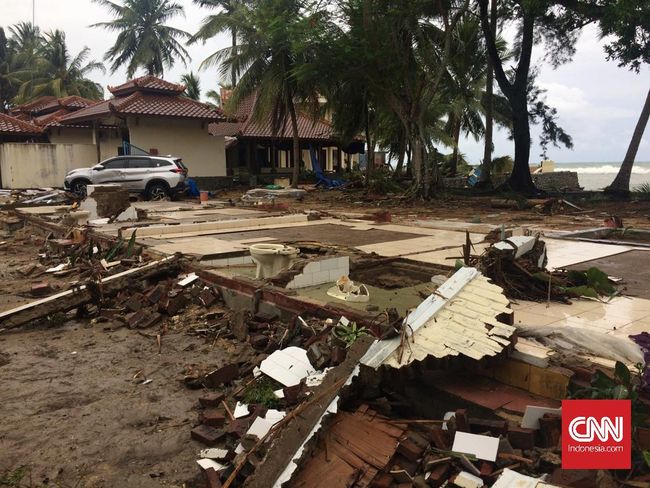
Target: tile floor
[[621, 316]]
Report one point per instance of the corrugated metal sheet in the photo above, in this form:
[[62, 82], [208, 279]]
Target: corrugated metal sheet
[[461, 318]]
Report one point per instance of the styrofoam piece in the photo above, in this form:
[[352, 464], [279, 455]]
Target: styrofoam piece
[[467, 480], [316, 378], [533, 414], [481, 446], [524, 245], [287, 366], [279, 393], [257, 372], [261, 426], [206, 463], [510, 478], [60, 267], [188, 279], [214, 453], [241, 410]]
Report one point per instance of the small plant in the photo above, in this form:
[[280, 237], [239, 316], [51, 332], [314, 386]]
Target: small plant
[[642, 188], [349, 333], [262, 392], [14, 477]]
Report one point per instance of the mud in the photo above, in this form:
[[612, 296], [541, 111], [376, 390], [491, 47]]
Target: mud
[[73, 415]]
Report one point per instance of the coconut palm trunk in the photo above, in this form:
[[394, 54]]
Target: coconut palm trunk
[[621, 183]]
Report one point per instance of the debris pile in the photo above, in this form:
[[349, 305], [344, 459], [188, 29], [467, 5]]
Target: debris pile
[[371, 449], [518, 265]]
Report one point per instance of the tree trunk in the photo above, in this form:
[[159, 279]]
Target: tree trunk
[[400, 156], [296, 146], [453, 166], [486, 167], [233, 72], [520, 180], [370, 154], [621, 183]]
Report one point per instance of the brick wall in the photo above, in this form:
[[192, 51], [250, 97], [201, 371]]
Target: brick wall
[[322, 271]]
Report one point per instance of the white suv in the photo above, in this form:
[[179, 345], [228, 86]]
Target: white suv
[[156, 177]]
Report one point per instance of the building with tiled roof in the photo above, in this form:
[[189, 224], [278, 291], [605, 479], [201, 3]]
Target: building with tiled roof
[[152, 114], [254, 147], [13, 129]]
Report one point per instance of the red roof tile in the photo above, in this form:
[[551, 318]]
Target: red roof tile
[[47, 119], [72, 102], [34, 105], [145, 104], [146, 83], [13, 126], [308, 127]]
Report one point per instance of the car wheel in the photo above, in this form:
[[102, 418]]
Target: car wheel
[[157, 191], [79, 188]]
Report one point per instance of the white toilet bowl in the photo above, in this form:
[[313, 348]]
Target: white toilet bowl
[[272, 258]]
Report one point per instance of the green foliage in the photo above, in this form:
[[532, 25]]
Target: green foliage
[[644, 189], [592, 283], [192, 86], [14, 477], [261, 392], [143, 39], [349, 333], [502, 165], [623, 386], [34, 64]]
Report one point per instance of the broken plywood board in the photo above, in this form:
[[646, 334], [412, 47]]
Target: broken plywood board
[[357, 446], [460, 318]]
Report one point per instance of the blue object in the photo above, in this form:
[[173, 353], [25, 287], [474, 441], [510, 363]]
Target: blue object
[[192, 188], [474, 177], [321, 179]]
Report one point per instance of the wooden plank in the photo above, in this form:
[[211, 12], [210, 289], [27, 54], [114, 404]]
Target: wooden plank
[[70, 299]]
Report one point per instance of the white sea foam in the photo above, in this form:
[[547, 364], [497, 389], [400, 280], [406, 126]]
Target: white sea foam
[[604, 169]]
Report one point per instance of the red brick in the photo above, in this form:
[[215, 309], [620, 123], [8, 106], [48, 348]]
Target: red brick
[[259, 341], [211, 478], [207, 435], [382, 480], [211, 399], [439, 475], [151, 319], [521, 438], [173, 305], [550, 429], [440, 438], [223, 375], [156, 294], [41, 289], [462, 420], [207, 298], [213, 418], [134, 303]]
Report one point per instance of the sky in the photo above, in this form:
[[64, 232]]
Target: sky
[[598, 103]]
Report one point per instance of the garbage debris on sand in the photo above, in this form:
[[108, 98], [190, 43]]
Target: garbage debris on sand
[[449, 394], [518, 265]]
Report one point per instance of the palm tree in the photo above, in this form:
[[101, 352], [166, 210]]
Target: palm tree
[[143, 40], [214, 98], [217, 23], [56, 72], [267, 60], [9, 80], [466, 86], [192, 86], [621, 183]]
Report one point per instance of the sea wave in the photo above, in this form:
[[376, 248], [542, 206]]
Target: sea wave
[[604, 169]]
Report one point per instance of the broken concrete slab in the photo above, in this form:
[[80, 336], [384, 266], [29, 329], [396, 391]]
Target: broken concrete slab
[[481, 446], [287, 366]]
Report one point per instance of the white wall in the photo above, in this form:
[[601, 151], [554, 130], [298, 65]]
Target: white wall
[[109, 140], [41, 165], [202, 153]]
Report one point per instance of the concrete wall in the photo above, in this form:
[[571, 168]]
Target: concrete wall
[[109, 140], [202, 153], [41, 165]]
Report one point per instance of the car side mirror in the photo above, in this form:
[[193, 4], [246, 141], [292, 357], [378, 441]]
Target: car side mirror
[[98, 167]]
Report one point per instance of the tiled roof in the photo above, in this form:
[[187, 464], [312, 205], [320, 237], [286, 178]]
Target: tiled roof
[[146, 83], [47, 119], [308, 127], [72, 102], [13, 126], [34, 105], [145, 104]]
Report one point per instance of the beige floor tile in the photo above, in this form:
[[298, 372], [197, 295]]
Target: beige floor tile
[[602, 323], [554, 310], [635, 327], [563, 252], [526, 318]]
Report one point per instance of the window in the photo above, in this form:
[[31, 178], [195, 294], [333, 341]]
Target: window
[[117, 163], [157, 163], [138, 163]]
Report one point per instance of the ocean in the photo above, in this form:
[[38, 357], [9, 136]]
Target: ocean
[[596, 176]]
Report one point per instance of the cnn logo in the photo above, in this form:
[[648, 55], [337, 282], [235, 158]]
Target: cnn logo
[[583, 429], [596, 434]]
